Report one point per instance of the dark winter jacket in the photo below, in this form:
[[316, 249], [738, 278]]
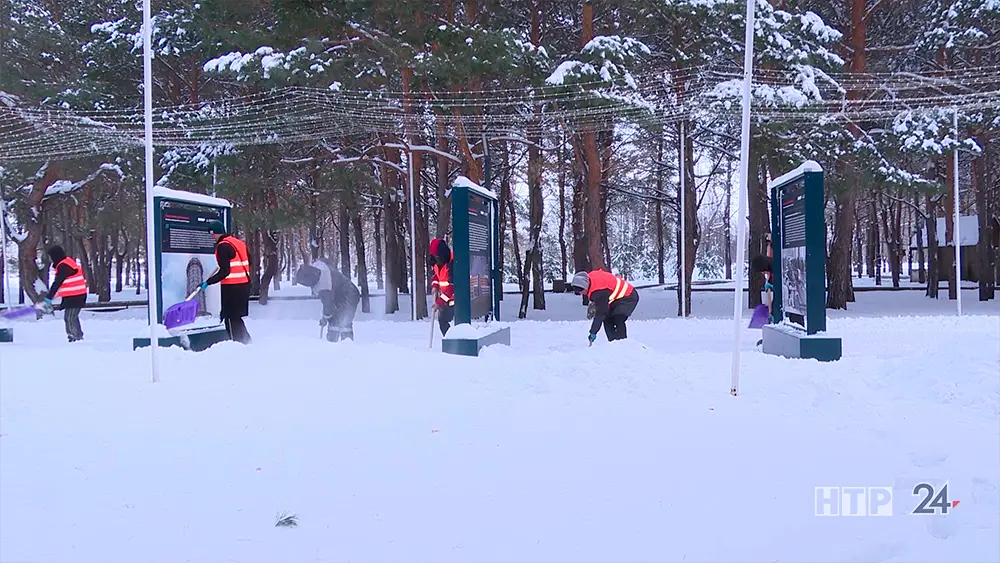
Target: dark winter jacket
[[224, 253], [622, 307], [235, 297]]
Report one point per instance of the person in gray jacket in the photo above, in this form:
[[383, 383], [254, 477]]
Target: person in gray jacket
[[339, 295]]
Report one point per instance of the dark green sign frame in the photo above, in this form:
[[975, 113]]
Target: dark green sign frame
[[158, 240], [798, 249], [462, 199], [810, 186]]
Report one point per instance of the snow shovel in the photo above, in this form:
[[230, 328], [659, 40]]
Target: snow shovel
[[430, 344], [18, 312], [761, 313], [182, 313]]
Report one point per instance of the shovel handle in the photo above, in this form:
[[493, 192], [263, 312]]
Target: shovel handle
[[197, 289]]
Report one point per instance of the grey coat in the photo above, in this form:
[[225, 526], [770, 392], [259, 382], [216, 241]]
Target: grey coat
[[339, 295]]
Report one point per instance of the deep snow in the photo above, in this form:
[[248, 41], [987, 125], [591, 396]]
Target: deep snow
[[544, 451]]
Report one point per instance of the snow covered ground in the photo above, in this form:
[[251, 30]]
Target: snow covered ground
[[544, 451]]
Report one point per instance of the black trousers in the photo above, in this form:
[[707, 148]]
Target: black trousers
[[71, 307], [71, 318], [618, 313], [445, 316], [235, 306], [237, 330]]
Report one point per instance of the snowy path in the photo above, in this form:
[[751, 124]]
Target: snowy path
[[544, 451]]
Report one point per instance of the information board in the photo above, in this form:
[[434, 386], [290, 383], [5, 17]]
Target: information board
[[186, 251], [793, 250], [476, 247], [480, 270]]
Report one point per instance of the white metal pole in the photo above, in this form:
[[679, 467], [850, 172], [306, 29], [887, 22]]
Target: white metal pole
[[683, 237], [744, 177], [413, 238], [147, 91], [958, 230], [3, 252]]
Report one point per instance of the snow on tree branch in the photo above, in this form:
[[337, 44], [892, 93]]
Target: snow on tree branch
[[63, 187]]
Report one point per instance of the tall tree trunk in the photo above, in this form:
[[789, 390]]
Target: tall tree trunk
[[422, 248], [921, 248], [839, 280], [840, 289], [27, 248], [253, 251], [505, 185], [591, 167], [344, 237], [119, 272], [121, 258], [760, 225], [606, 140], [859, 244], [359, 250], [871, 240], [891, 227], [270, 259], [443, 203], [504, 212], [581, 244], [536, 199], [877, 238], [689, 237], [592, 206], [933, 254], [985, 251], [389, 235], [377, 231]]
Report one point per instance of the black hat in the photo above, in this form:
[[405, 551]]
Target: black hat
[[56, 253], [216, 227]]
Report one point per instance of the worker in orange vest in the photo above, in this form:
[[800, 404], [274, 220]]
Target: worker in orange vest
[[69, 285], [234, 277], [613, 300], [441, 283]]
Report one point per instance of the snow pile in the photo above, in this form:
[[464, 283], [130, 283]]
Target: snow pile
[[807, 166], [160, 191], [466, 331], [545, 451], [159, 330], [464, 182]]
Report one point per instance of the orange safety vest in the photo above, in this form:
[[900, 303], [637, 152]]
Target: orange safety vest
[[75, 284], [239, 266], [446, 291], [599, 279]]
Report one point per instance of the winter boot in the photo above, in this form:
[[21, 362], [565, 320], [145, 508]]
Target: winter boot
[[332, 334]]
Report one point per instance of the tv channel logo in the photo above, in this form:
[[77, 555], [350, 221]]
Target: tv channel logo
[[854, 501], [878, 501]]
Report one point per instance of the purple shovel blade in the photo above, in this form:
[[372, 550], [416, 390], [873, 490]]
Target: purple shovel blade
[[18, 312], [180, 314], [760, 314]]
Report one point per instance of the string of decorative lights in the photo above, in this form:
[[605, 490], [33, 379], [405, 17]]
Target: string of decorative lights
[[298, 114]]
